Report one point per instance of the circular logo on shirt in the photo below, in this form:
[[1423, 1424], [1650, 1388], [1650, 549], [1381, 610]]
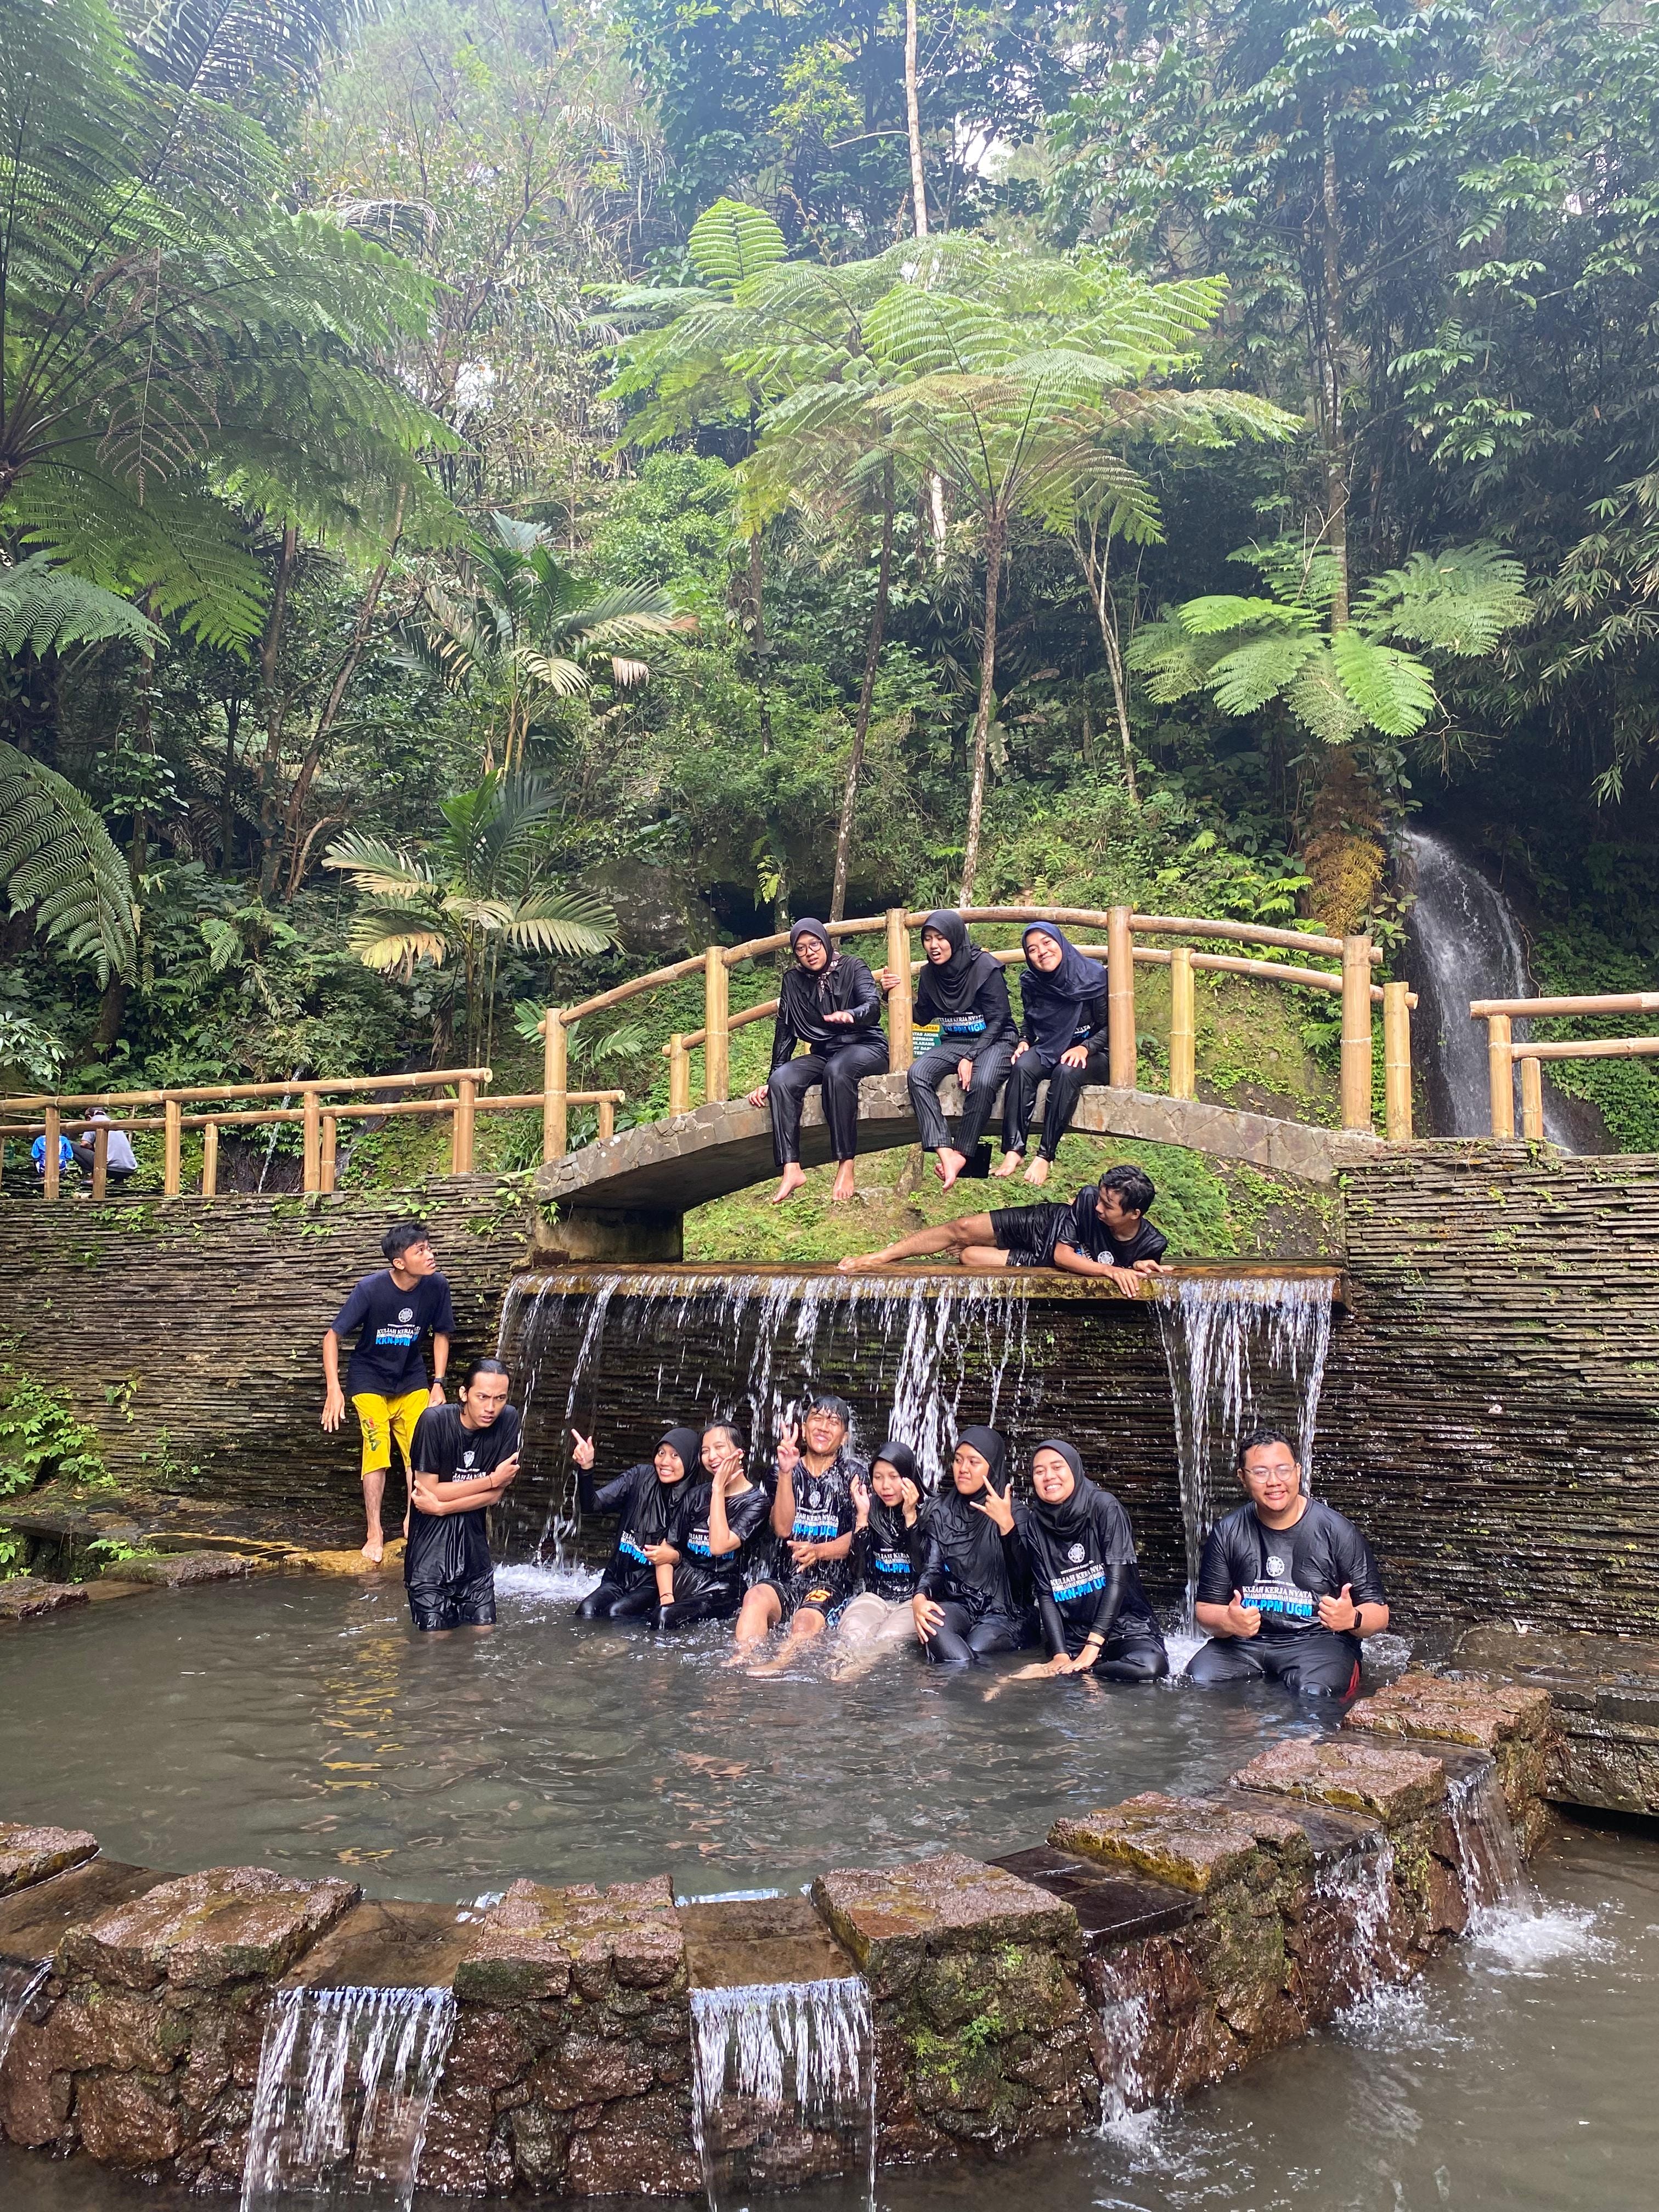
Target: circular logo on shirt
[[1277, 1568], [1074, 1552], [467, 1458], [406, 1313]]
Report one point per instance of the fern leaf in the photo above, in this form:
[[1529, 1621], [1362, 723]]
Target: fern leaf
[[43, 609], [1393, 691], [1244, 681], [731, 240], [1460, 601], [56, 856]]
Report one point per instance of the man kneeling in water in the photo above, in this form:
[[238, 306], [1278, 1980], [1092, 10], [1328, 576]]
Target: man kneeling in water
[[462, 1459], [1103, 1231], [812, 1518], [1287, 1587]]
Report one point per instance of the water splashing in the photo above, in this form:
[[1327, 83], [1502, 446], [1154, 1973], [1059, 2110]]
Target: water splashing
[[1223, 1335], [345, 2086], [17, 1987], [1125, 2028], [783, 2083], [1359, 1888]]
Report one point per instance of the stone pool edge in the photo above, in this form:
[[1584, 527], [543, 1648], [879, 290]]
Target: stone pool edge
[[1204, 1932]]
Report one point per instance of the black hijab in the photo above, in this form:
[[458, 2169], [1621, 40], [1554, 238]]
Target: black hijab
[[951, 988], [968, 1540], [900, 1458], [1051, 1001], [1071, 1514], [688, 1443], [992, 1450], [807, 928]]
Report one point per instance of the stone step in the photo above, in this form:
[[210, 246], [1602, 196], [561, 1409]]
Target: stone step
[[1110, 1907], [742, 1943], [385, 1943]]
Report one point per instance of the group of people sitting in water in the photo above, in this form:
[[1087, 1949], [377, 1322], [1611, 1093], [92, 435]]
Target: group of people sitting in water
[[831, 1003], [821, 1544]]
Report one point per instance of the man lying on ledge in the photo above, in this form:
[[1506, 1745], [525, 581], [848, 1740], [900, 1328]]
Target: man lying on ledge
[[1103, 1231]]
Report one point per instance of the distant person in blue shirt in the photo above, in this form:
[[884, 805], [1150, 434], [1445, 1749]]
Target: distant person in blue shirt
[[65, 1156], [390, 1314]]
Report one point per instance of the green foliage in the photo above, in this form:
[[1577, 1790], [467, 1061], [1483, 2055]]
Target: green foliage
[[43, 609], [56, 858], [41, 1437]]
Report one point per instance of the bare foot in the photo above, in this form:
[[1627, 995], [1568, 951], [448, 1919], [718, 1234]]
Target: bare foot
[[794, 1179], [949, 1164], [860, 1263], [846, 1184], [1010, 1165], [1037, 1173], [375, 1550]]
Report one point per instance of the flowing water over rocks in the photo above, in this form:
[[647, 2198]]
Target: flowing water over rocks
[[18, 1984], [346, 2082], [783, 2081]]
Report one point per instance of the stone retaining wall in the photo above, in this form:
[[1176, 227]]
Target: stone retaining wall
[[1147, 1949]]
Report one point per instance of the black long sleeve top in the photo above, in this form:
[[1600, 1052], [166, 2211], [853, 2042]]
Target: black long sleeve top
[[968, 1562], [845, 986], [989, 1005], [1091, 1026]]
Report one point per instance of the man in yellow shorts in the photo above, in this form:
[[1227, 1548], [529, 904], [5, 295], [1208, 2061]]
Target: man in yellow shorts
[[390, 1313]]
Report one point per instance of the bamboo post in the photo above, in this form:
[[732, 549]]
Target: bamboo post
[[313, 1142], [49, 1158], [1500, 1074], [331, 1152], [1532, 1098], [101, 1159], [680, 1075], [555, 1080], [1397, 1060], [210, 1160], [172, 1141], [1120, 997], [1183, 1025], [899, 1042], [716, 1043], [607, 1119], [463, 1127], [1357, 1033]]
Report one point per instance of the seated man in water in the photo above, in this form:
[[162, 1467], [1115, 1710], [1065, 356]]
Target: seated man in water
[[1287, 1588], [699, 1564], [461, 1459], [812, 1518], [1103, 1231], [643, 1497], [1097, 1618]]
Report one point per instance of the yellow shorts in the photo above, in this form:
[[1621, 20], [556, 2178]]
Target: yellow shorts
[[382, 1418]]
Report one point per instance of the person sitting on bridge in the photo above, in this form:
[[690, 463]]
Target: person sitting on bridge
[[391, 1311], [1287, 1587], [119, 1159], [644, 1498], [973, 1592], [1103, 1231], [714, 1518], [966, 993], [829, 1002], [1062, 1038], [1097, 1618], [812, 1519], [462, 1460]]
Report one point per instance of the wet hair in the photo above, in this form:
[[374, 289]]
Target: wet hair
[[484, 1367], [740, 1438], [401, 1235], [1257, 1439], [1135, 1186], [825, 1401]]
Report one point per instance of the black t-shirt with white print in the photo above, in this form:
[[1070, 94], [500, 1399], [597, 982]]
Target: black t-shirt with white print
[[1283, 1572], [454, 1548]]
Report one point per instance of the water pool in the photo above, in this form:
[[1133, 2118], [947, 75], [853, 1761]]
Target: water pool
[[298, 1723]]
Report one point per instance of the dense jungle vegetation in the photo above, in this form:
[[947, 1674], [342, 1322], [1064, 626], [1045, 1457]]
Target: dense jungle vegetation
[[495, 493]]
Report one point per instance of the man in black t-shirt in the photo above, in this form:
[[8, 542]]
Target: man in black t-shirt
[[1103, 1231], [462, 1460], [1287, 1588]]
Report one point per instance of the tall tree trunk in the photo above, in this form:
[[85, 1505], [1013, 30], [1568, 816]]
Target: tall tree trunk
[[1094, 557], [866, 691], [995, 539], [1330, 323], [228, 796], [912, 116], [270, 766], [757, 635]]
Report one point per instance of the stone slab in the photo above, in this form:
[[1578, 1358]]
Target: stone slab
[[1476, 1710], [23, 1598], [944, 1903], [33, 1922], [202, 1931], [385, 1944], [1358, 1777], [1191, 1843], [30, 1855], [539, 1942], [1110, 1907], [184, 1570], [742, 1942]]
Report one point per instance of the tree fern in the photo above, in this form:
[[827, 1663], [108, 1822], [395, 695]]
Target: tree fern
[[43, 609], [56, 857], [1462, 601], [732, 241]]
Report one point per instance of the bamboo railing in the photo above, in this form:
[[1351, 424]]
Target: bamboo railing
[[1503, 1052], [1121, 953]]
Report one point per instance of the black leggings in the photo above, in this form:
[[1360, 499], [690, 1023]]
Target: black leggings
[[1065, 1088], [618, 1601], [1320, 1664], [937, 1067], [704, 1605], [961, 1641], [840, 1069]]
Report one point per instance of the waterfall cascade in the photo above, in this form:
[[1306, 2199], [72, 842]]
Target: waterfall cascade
[[346, 2081], [1494, 1873], [17, 1986], [778, 2057]]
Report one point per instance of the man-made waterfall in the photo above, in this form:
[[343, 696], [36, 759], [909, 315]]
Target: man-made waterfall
[[775, 2063], [1234, 1346], [346, 2081], [1494, 1873], [17, 1986], [1466, 944]]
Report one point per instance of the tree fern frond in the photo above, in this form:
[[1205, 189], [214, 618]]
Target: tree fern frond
[[43, 609], [732, 241], [1392, 690], [56, 856], [1461, 601]]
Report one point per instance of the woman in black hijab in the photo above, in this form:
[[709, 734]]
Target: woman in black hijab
[[1080, 1553], [971, 1594], [1062, 1038], [829, 1002], [643, 1499], [965, 992]]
